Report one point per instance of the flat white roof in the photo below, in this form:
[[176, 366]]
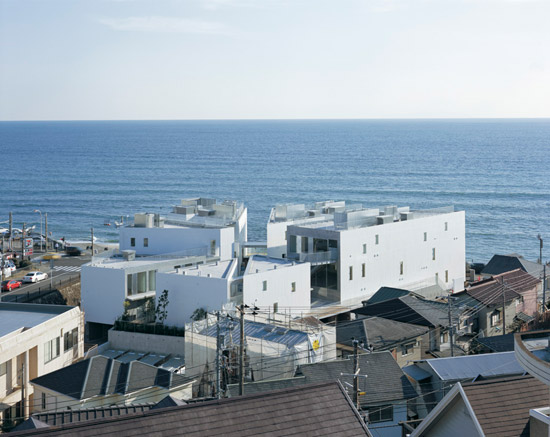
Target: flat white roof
[[219, 269], [14, 316], [260, 263]]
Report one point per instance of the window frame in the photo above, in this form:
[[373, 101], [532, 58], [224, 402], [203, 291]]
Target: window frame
[[132, 241], [379, 416], [50, 347], [145, 241], [264, 285], [293, 287]]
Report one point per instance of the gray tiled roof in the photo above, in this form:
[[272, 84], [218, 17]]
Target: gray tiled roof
[[104, 376], [385, 380], [311, 410], [376, 331], [502, 406], [506, 263], [510, 284], [264, 386], [386, 293], [498, 343]]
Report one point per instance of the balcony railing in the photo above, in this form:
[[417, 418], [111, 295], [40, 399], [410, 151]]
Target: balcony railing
[[315, 258]]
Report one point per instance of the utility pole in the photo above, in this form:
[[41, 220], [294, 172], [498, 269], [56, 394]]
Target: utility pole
[[544, 288], [11, 231], [22, 410], [450, 312], [218, 389], [355, 373], [92, 241], [540, 248], [503, 307], [23, 242], [241, 353], [46, 229]]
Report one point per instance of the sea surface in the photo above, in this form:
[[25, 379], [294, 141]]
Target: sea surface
[[86, 173]]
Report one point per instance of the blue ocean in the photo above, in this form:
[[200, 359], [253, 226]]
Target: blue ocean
[[86, 173]]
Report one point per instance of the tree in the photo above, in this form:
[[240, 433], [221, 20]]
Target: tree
[[161, 312], [199, 314], [126, 315]]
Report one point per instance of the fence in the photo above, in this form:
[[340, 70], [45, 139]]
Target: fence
[[43, 290], [149, 328]]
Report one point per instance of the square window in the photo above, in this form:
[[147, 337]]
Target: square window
[[132, 242], [264, 285], [380, 414], [364, 248], [146, 242], [407, 349], [293, 287]]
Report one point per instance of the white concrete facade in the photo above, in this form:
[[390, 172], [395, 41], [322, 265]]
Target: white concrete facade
[[206, 286], [42, 338], [372, 250], [277, 285]]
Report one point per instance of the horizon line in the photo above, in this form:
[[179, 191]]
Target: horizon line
[[277, 119]]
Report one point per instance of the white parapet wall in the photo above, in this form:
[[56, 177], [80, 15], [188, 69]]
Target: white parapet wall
[[153, 343]]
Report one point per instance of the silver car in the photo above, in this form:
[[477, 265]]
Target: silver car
[[35, 277]]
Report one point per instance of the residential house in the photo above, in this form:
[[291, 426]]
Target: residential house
[[498, 407], [433, 378], [403, 340], [273, 348], [502, 302], [415, 310], [101, 381], [495, 343], [34, 340], [386, 395], [313, 410], [353, 251]]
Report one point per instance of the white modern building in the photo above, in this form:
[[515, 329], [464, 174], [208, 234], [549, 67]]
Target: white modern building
[[216, 228], [108, 282], [354, 250], [34, 340], [274, 285], [197, 231]]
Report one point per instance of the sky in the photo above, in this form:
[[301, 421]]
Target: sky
[[273, 59]]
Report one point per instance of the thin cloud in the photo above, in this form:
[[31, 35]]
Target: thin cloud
[[165, 25]]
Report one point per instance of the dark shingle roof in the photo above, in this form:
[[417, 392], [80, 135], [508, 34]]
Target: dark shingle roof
[[385, 380], [506, 263], [498, 343], [264, 386], [411, 309], [386, 293], [101, 375], [31, 423], [510, 284], [376, 331], [169, 401], [312, 410], [74, 416], [502, 405]]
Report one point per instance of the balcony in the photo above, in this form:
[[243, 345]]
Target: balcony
[[315, 258]]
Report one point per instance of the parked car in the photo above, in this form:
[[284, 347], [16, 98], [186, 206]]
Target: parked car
[[35, 277], [73, 251], [10, 285], [9, 265]]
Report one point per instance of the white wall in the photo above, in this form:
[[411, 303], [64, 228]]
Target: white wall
[[103, 292], [276, 241], [403, 241], [186, 293], [179, 239], [279, 288]]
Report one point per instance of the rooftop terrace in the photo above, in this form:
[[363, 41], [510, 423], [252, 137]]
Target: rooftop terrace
[[15, 316]]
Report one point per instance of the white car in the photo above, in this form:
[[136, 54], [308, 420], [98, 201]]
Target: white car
[[35, 277]]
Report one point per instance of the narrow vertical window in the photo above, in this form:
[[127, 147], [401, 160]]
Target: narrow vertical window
[[425, 236], [364, 248], [363, 270], [446, 226], [446, 276], [276, 307], [293, 287], [129, 285], [264, 285], [146, 242], [213, 247], [401, 268], [433, 254], [43, 401], [350, 273], [376, 239], [132, 242]]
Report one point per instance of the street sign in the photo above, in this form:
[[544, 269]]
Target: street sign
[[28, 246]]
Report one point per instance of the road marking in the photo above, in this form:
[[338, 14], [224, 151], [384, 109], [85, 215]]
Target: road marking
[[67, 268]]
